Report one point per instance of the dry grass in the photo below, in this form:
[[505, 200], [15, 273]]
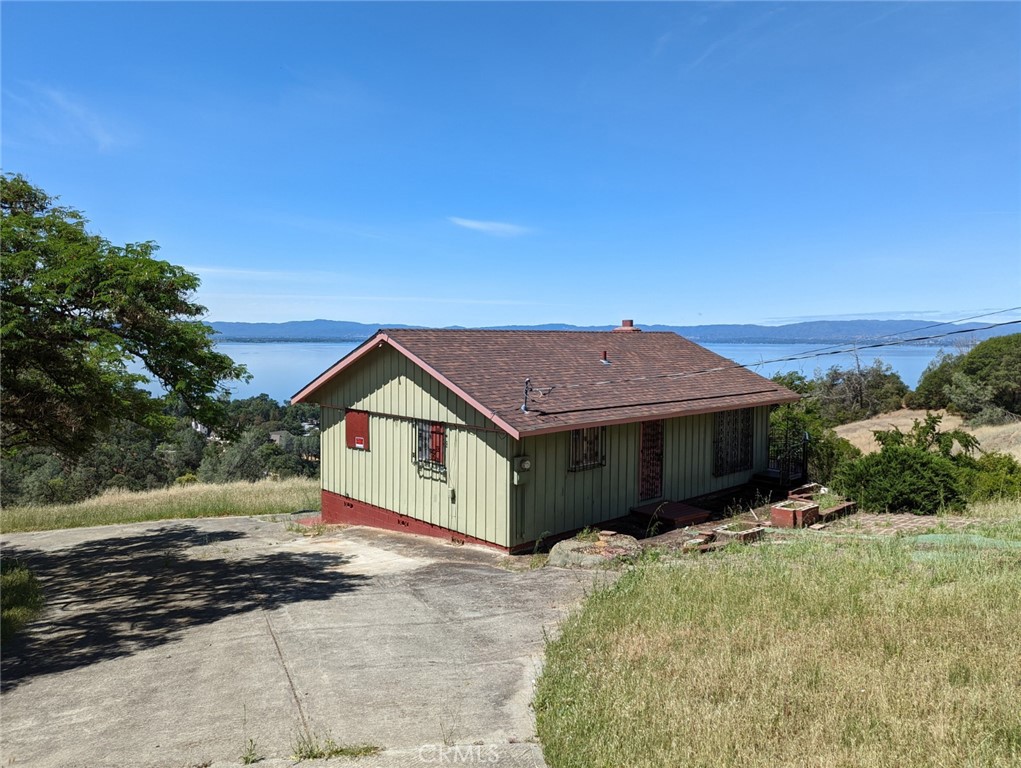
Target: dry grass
[[999, 518], [813, 653], [1005, 438], [184, 501]]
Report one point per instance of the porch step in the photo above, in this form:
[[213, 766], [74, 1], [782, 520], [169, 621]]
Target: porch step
[[676, 513], [772, 479]]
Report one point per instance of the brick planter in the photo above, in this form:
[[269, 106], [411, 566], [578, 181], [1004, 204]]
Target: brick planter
[[740, 532], [805, 492], [794, 513], [840, 510]]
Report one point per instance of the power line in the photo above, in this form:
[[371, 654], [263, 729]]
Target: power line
[[810, 353], [794, 358]]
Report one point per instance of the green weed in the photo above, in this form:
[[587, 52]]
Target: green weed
[[21, 597], [309, 746]]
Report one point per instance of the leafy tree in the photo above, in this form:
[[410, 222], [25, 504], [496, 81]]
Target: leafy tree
[[33, 476], [974, 401], [927, 436], [296, 415], [254, 411], [931, 393], [996, 363], [243, 459], [75, 311], [182, 451], [852, 394]]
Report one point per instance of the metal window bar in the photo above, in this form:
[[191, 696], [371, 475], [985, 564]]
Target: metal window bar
[[431, 445], [587, 448], [732, 441]]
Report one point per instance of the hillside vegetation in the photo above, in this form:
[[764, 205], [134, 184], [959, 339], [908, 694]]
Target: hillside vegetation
[[960, 446], [999, 438]]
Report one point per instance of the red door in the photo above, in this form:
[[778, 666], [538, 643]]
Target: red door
[[650, 461]]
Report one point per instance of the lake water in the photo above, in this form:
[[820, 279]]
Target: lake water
[[281, 369]]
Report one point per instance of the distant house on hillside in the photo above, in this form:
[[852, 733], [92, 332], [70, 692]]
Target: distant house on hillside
[[280, 436], [508, 437]]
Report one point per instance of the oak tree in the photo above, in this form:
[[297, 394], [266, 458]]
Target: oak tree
[[79, 316]]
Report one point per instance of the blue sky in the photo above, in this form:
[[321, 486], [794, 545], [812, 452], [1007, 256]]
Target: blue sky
[[483, 164]]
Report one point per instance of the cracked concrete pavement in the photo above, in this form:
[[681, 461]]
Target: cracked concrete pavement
[[171, 644]]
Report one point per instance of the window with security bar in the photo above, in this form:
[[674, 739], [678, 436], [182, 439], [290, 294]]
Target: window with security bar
[[732, 442], [587, 451], [432, 445]]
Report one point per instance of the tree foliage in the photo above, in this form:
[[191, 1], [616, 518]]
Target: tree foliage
[[130, 457], [983, 386], [996, 363], [925, 435], [931, 392], [76, 311], [860, 392]]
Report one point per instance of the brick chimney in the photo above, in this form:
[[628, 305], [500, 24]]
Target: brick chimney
[[627, 326]]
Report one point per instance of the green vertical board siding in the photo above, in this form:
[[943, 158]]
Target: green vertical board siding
[[395, 390], [555, 500], [688, 456]]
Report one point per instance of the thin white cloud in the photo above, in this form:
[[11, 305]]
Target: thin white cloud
[[57, 117], [932, 315], [269, 274], [495, 228]]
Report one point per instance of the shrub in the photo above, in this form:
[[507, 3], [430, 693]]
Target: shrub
[[827, 453], [902, 479], [992, 476]]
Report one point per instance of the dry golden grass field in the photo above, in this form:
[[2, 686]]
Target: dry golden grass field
[[266, 497]]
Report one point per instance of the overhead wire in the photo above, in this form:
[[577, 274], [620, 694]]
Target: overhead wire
[[810, 353], [792, 358]]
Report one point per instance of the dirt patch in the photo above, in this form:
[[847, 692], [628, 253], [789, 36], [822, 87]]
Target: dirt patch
[[1005, 438]]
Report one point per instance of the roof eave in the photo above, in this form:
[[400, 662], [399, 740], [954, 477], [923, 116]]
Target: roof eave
[[673, 414], [305, 393], [378, 340]]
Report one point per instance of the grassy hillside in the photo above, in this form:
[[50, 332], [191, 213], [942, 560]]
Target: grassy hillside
[[195, 500], [823, 651], [1005, 438]]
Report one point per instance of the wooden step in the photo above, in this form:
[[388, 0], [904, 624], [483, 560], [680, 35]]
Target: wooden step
[[676, 513]]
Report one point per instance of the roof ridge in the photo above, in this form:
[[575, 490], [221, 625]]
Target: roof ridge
[[516, 330]]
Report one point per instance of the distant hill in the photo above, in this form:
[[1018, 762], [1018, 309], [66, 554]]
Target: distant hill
[[298, 330], [817, 332]]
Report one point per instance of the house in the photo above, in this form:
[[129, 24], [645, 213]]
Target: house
[[510, 437], [280, 436]]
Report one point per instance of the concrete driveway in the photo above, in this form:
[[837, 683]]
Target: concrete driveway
[[173, 643]]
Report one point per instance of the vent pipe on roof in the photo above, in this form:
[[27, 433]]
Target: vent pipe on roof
[[627, 326], [603, 360]]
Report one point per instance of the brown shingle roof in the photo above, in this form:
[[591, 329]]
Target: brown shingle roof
[[649, 376]]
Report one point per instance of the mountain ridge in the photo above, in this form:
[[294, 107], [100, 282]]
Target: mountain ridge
[[810, 332]]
